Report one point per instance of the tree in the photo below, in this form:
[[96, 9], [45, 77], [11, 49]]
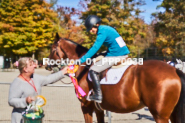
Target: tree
[[68, 27], [26, 25], [170, 28], [123, 15]]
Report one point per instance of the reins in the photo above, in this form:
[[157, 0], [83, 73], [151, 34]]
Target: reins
[[71, 71]]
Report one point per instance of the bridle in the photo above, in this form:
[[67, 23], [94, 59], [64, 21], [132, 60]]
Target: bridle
[[56, 50], [57, 53]]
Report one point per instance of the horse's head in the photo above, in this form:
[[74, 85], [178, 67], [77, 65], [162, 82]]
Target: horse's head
[[62, 49], [56, 52]]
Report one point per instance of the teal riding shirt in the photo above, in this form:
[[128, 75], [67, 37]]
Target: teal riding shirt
[[110, 38]]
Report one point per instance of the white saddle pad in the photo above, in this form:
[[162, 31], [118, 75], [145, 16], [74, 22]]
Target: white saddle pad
[[113, 75]]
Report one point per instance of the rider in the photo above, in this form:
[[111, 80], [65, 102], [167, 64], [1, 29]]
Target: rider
[[116, 46]]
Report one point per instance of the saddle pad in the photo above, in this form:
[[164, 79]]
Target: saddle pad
[[113, 75]]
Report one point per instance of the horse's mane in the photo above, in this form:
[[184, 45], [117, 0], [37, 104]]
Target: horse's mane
[[78, 45]]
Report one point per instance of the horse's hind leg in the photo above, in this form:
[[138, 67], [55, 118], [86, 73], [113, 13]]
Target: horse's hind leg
[[161, 108], [100, 116], [160, 117], [173, 117], [87, 112], [161, 120]]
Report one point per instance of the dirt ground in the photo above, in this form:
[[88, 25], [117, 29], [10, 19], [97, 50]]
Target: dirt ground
[[62, 104]]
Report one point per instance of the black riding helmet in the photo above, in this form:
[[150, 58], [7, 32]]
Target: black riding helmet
[[91, 21]]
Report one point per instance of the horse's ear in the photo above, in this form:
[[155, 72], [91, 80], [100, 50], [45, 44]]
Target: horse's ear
[[57, 37]]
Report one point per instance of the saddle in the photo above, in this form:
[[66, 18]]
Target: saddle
[[113, 74]]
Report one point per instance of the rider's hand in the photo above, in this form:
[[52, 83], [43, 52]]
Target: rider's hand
[[29, 99], [64, 70]]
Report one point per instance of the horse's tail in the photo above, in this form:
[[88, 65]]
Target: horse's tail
[[179, 111]]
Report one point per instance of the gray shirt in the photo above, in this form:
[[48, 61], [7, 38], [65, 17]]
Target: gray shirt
[[20, 89]]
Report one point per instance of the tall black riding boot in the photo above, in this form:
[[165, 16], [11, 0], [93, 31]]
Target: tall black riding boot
[[97, 96]]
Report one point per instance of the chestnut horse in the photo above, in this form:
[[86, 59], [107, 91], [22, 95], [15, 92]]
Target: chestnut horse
[[154, 84]]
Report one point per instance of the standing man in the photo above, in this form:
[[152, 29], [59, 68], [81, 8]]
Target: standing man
[[26, 86]]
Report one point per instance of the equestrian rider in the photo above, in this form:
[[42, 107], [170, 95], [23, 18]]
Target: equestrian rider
[[116, 46]]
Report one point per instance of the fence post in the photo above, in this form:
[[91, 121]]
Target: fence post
[[108, 114]]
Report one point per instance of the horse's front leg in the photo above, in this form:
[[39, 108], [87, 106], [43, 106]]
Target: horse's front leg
[[87, 112], [100, 116]]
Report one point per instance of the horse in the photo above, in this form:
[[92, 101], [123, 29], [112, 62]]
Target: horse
[[155, 84]]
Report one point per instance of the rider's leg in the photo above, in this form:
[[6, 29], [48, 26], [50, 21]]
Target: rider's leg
[[96, 87], [94, 71]]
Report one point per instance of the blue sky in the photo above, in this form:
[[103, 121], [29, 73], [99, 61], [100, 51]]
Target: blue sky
[[149, 8]]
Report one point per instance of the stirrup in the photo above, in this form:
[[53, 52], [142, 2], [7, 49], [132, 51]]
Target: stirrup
[[98, 101], [88, 99], [96, 98]]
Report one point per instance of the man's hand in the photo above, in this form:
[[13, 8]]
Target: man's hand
[[29, 99], [64, 70]]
